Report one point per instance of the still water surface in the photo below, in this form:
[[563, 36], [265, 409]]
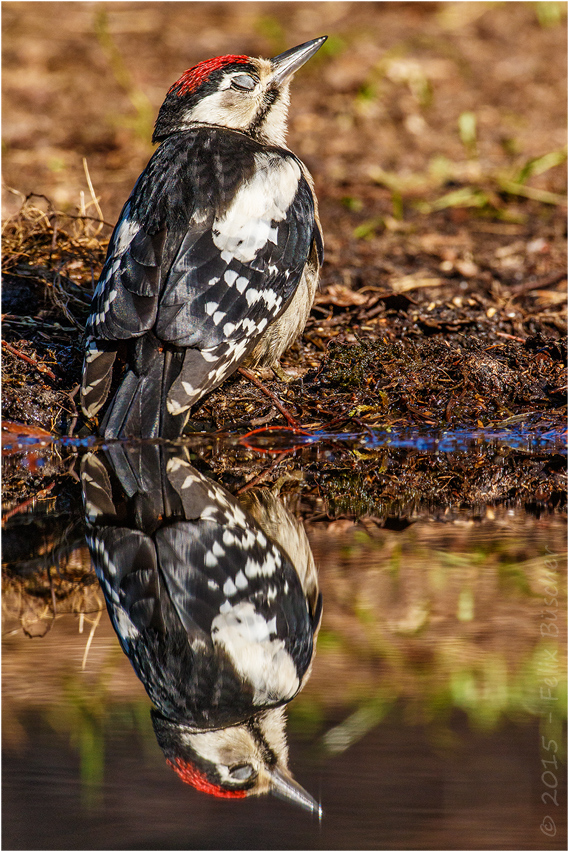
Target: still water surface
[[433, 717]]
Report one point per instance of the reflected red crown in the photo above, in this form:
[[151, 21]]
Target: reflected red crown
[[190, 775]]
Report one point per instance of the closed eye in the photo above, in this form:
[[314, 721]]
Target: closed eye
[[243, 82], [242, 772]]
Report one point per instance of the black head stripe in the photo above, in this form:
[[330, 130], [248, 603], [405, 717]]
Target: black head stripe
[[254, 728], [269, 99]]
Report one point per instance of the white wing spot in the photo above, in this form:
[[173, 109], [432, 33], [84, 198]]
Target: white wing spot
[[188, 481], [175, 408], [241, 580], [229, 588], [239, 516], [270, 565], [175, 464], [126, 231]]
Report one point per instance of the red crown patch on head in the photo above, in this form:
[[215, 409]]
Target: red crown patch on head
[[190, 775], [194, 77]]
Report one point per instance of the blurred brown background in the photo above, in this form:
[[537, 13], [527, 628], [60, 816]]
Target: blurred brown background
[[387, 91]]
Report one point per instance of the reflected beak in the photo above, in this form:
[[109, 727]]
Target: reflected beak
[[285, 787], [285, 64]]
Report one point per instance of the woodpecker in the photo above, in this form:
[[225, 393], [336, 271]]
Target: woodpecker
[[217, 607], [214, 261]]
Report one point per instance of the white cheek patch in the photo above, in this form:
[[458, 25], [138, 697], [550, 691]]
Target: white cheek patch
[[222, 747], [248, 224], [225, 108]]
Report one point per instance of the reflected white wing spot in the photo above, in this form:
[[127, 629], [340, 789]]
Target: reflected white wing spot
[[229, 588], [217, 549], [210, 560], [124, 625], [241, 580]]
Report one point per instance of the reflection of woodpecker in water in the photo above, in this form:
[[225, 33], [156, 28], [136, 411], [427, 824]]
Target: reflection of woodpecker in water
[[215, 601]]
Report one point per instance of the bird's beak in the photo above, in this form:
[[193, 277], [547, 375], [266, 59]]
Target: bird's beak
[[285, 64], [285, 787]]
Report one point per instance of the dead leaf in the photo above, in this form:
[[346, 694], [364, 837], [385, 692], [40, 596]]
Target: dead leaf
[[343, 297], [413, 282]]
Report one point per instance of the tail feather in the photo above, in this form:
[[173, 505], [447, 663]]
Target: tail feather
[[138, 408], [97, 375], [161, 384], [202, 371]]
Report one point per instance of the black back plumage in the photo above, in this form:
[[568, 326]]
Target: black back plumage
[[184, 269]]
